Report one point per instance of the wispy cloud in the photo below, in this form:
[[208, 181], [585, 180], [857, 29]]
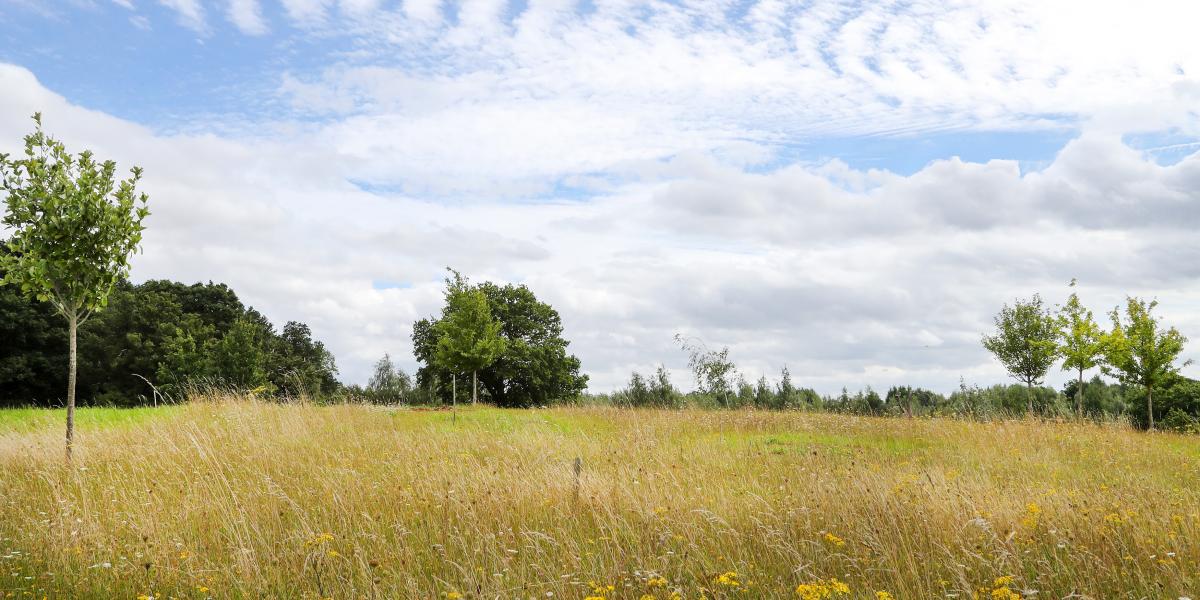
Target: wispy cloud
[[247, 16], [190, 13]]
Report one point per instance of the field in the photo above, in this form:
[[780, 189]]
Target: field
[[236, 499]]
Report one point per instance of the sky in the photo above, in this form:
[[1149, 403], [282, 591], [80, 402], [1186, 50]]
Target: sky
[[850, 189]]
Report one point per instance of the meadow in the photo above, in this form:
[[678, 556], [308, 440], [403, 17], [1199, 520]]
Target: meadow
[[232, 498]]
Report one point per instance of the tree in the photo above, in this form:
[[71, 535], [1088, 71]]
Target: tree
[[74, 228], [534, 368], [712, 369], [1138, 352], [662, 391], [300, 365], [468, 338], [1080, 347], [239, 358], [1025, 342], [388, 382], [31, 349]]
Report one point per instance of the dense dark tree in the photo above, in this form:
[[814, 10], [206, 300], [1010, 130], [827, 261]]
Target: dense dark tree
[[159, 335], [33, 351], [300, 365], [534, 369]]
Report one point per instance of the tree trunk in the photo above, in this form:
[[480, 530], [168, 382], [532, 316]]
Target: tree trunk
[[1079, 396], [72, 326], [454, 390], [1029, 398], [1150, 405], [474, 387]]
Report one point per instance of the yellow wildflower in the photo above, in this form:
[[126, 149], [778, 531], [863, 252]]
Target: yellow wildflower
[[728, 579], [834, 540], [822, 589], [882, 595]]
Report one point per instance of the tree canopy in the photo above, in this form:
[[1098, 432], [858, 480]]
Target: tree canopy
[[534, 367], [1139, 352], [1025, 341], [1080, 345], [468, 338]]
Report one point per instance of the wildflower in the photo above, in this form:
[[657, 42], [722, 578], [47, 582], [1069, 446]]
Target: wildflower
[[648, 597], [319, 540], [823, 589], [727, 579], [834, 540], [656, 582], [453, 596], [1033, 514], [882, 595], [202, 589], [332, 554]]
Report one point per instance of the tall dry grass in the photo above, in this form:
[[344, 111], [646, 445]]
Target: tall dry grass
[[236, 499]]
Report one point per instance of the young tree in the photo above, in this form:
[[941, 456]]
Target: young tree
[[468, 338], [1139, 352], [74, 228], [713, 370], [1025, 342], [1080, 345]]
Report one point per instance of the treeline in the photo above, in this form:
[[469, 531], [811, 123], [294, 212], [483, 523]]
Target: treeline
[[1030, 338], [1177, 402], [156, 342]]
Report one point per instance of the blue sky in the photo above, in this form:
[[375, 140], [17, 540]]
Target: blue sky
[[813, 183]]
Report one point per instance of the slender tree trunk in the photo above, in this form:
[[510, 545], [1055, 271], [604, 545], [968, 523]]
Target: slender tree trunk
[[454, 390], [1079, 396], [1029, 397], [1150, 405], [474, 387], [72, 326]]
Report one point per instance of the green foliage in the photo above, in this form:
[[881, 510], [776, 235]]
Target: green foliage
[[389, 383], [712, 369], [1081, 342], [168, 334], [655, 391], [1026, 340], [468, 338], [1139, 352], [1003, 400], [534, 368], [32, 352], [1099, 397], [912, 400], [299, 365], [73, 225]]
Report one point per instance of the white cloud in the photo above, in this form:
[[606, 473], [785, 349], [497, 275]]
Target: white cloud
[[669, 122], [191, 13], [247, 16], [306, 12]]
